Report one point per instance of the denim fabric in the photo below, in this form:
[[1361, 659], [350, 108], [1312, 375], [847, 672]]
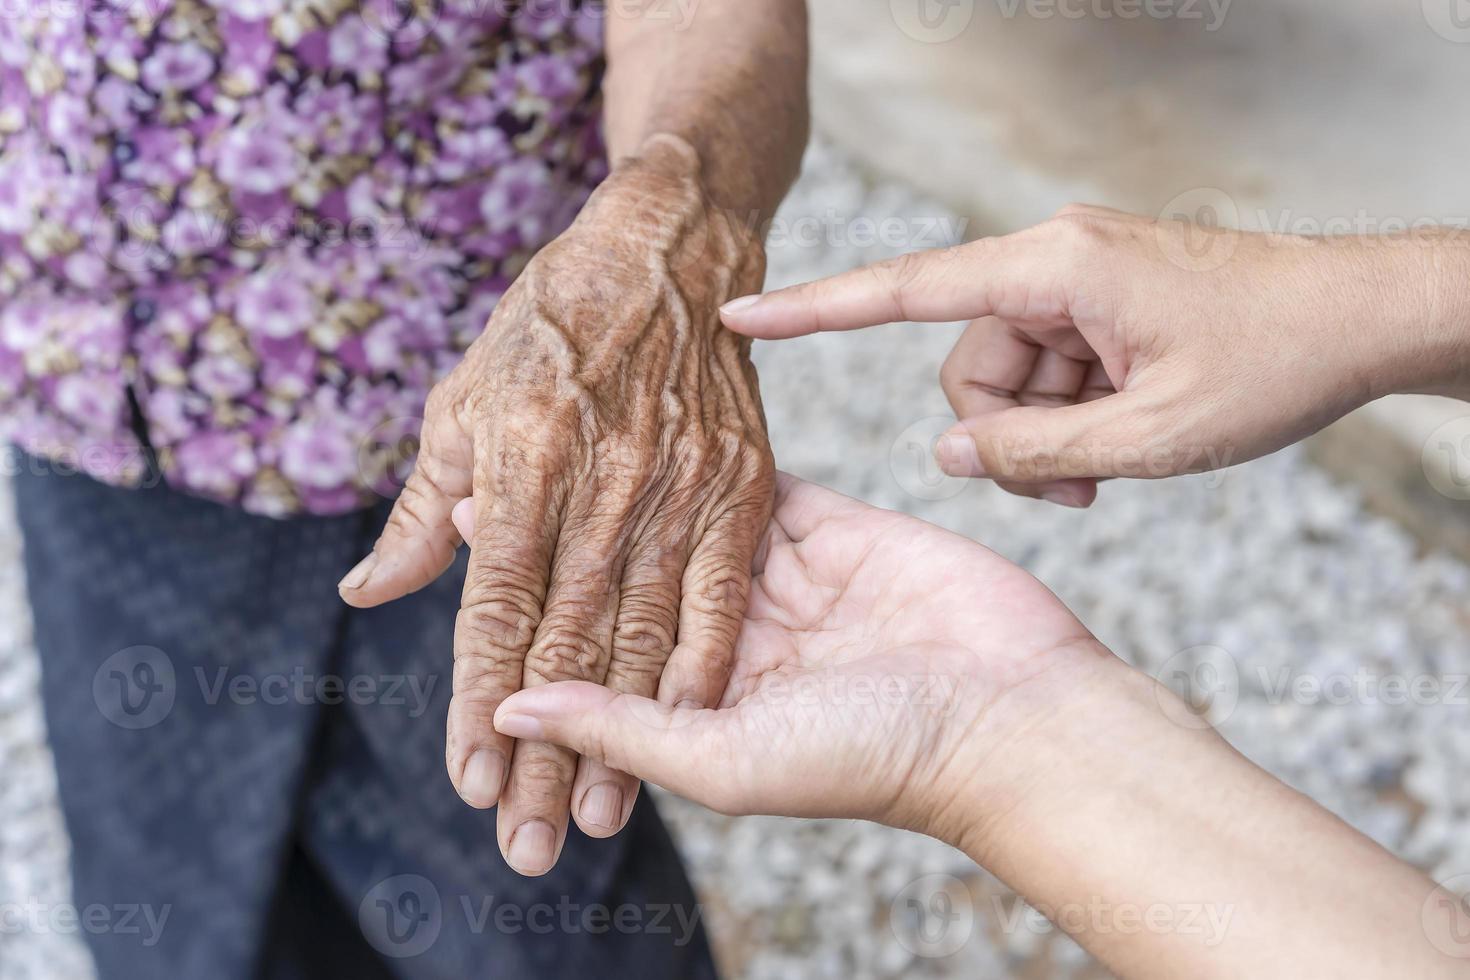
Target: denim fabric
[[238, 812]]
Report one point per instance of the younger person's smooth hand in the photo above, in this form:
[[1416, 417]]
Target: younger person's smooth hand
[[892, 671], [871, 674], [1107, 345]]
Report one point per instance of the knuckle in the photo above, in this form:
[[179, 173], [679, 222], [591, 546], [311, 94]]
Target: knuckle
[[409, 515], [642, 640], [897, 276], [565, 653], [1080, 236], [484, 681], [707, 674], [903, 270], [1072, 209], [541, 776], [439, 400], [719, 592], [639, 674], [431, 475], [501, 618]]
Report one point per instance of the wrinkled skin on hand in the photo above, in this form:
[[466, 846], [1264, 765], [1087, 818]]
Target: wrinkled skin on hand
[[883, 663], [611, 435]]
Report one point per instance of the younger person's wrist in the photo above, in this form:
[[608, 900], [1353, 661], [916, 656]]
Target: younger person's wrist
[[1424, 344], [1022, 757]]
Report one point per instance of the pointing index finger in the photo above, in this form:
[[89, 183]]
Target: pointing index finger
[[944, 285]]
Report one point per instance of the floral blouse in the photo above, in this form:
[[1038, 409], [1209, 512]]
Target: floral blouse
[[240, 239]]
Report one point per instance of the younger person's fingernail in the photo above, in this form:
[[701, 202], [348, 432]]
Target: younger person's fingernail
[[520, 726], [1064, 498], [359, 575], [737, 305], [603, 806], [483, 774], [532, 848], [957, 456]]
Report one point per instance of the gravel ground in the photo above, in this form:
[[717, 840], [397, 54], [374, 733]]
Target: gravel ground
[[1271, 575]]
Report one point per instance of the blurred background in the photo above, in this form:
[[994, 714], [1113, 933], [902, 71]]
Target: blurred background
[[1294, 597]]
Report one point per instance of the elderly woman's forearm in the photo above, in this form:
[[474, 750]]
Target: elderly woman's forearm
[[728, 77]]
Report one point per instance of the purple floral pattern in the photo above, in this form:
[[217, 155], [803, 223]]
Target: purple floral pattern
[[274, 223]]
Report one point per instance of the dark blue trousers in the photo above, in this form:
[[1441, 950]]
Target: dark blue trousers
[[252, 773]]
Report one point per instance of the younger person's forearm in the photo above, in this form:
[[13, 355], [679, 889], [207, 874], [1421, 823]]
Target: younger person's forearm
[[726, 76], [1436, 271], [1166, 853]]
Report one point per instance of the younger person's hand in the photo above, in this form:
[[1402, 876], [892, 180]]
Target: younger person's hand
[[1107, 345], [869, 675], [893, 671]]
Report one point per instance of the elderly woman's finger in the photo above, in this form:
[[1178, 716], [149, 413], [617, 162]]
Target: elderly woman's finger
[[419, 541], [688, 751]]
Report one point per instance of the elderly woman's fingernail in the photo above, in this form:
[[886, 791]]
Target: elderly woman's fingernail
[[739, 305], [602, 806], [957, 456], [532, 848], [483, 774], [358, 577]]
